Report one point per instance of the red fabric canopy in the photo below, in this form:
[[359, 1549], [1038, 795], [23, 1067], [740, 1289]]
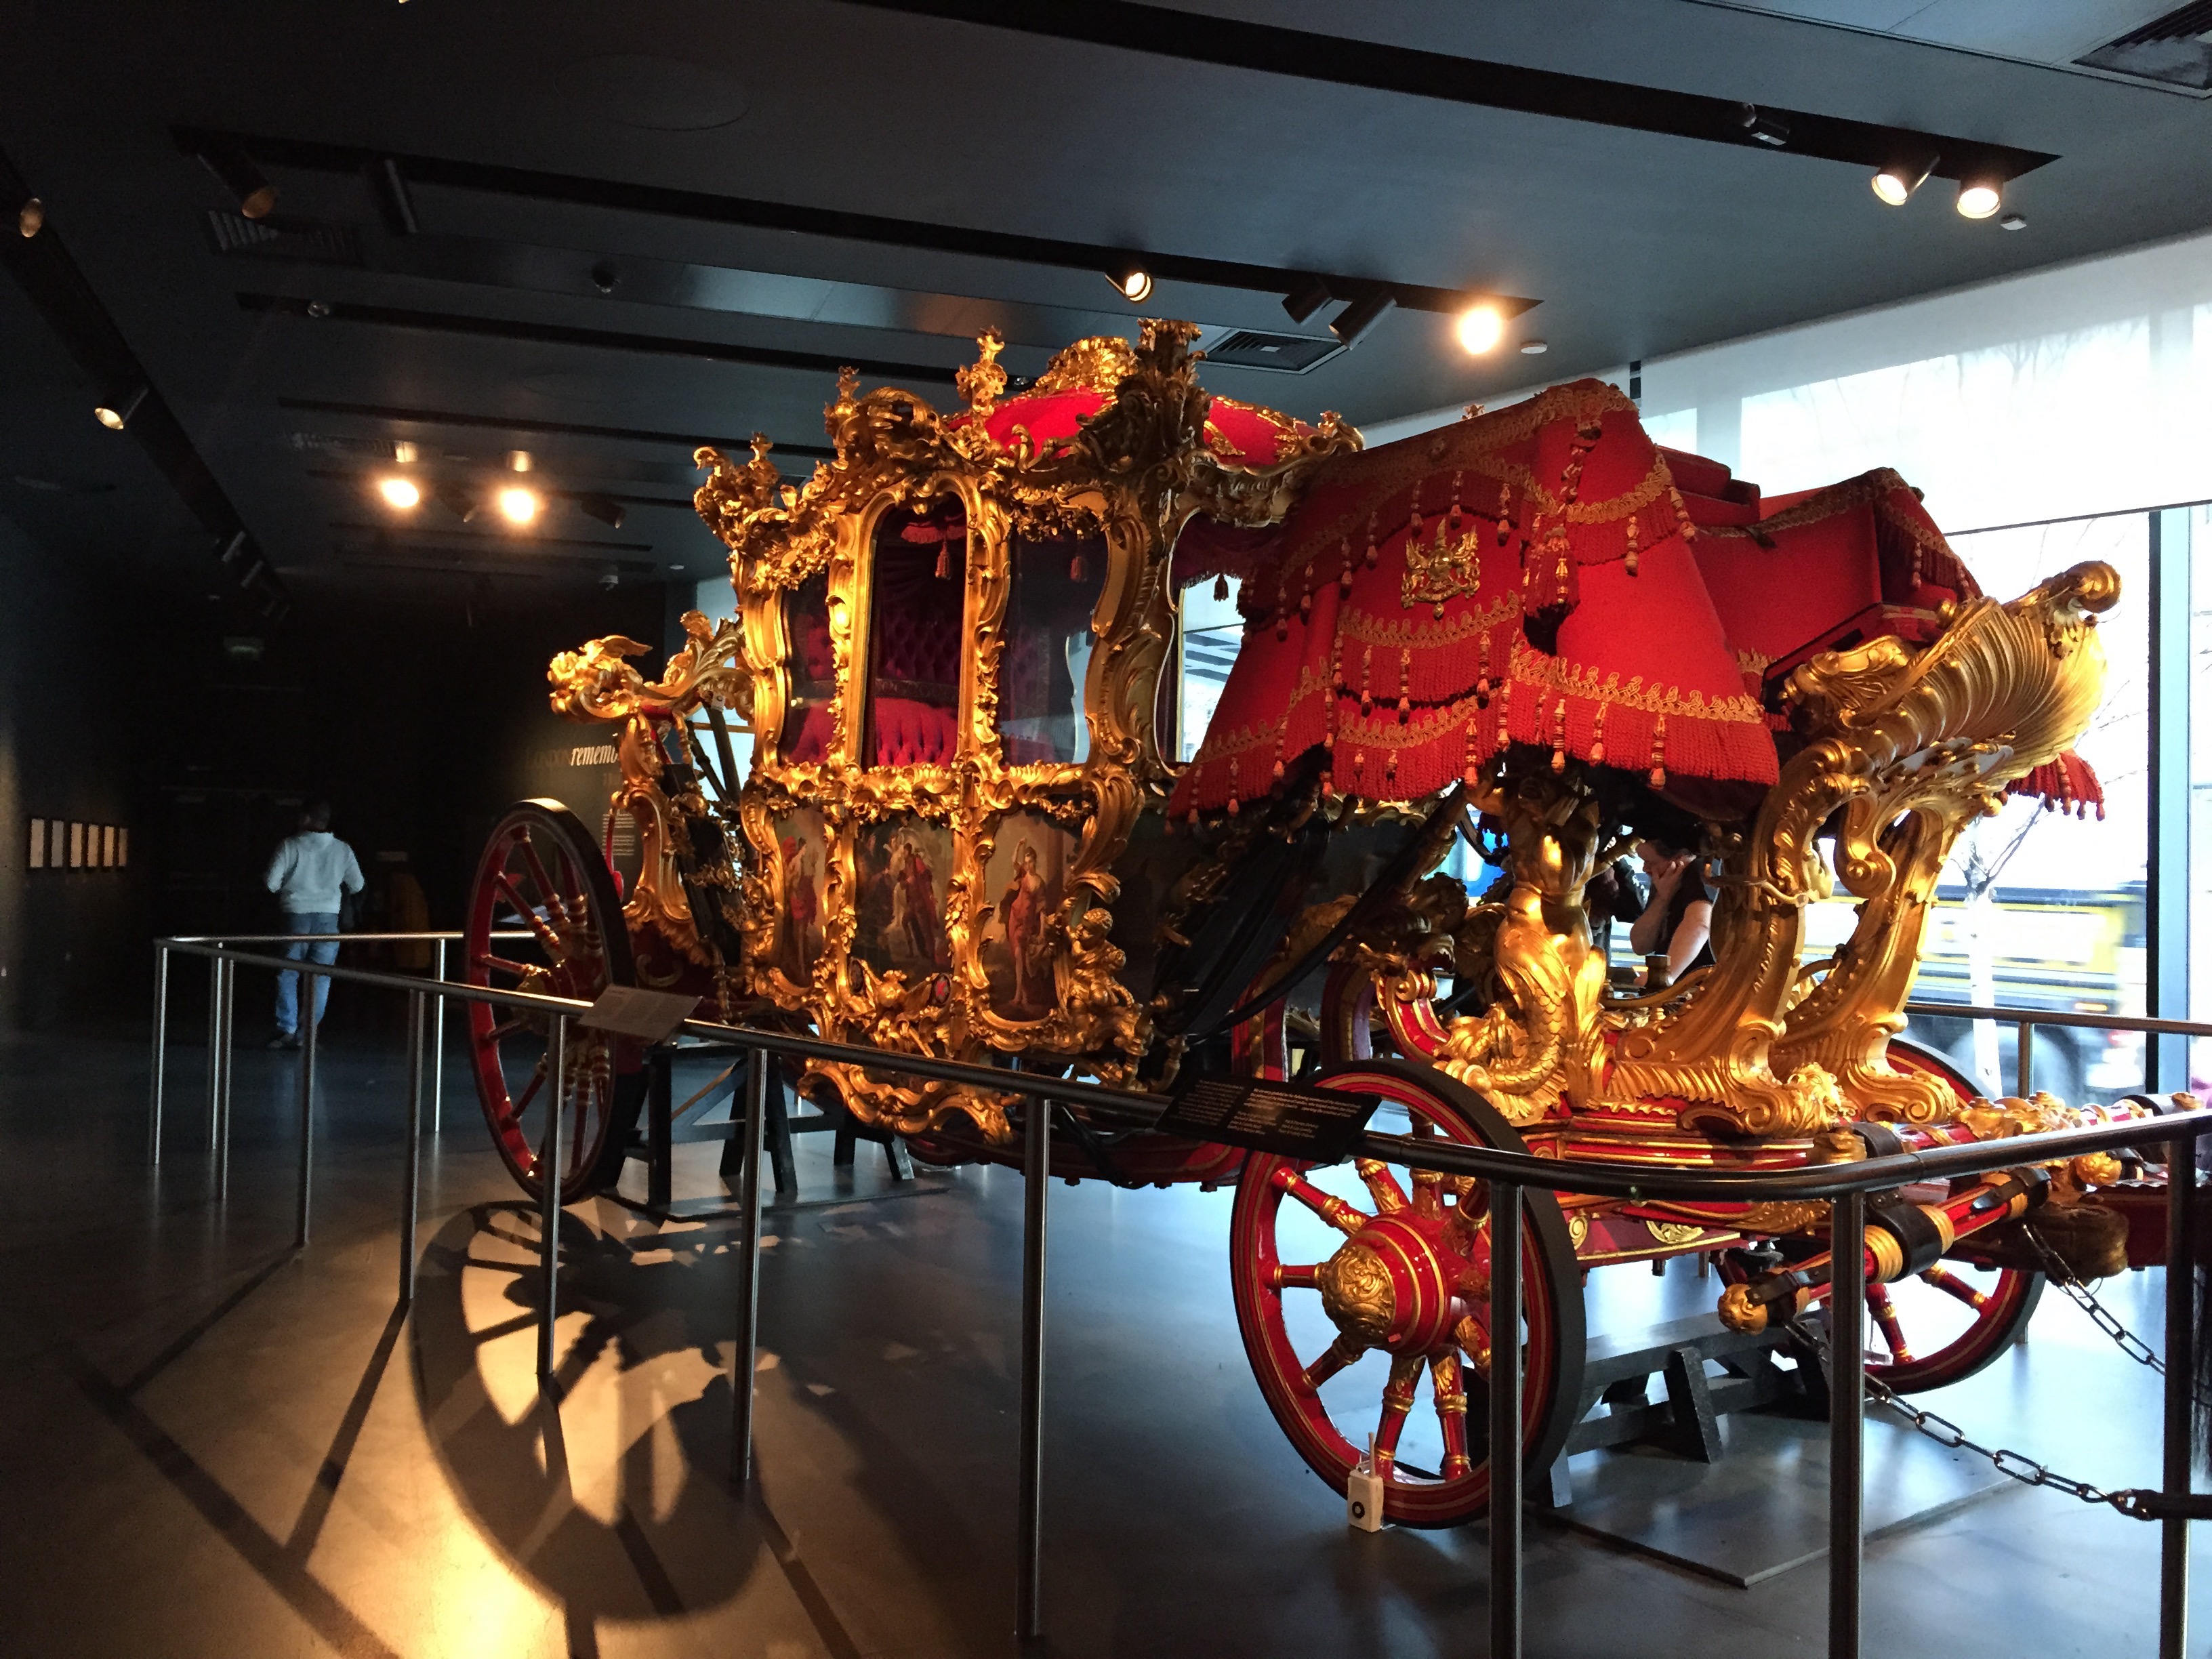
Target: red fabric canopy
[[1547, 576]]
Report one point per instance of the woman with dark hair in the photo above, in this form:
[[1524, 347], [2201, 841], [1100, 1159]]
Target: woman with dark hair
[[1677, 923]]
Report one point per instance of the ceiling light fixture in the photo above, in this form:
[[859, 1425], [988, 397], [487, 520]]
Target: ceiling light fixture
[[31, 217], [1310, 294], [404, 452], [519, 506], [1356, 319], [257, 197], [1764, 125], [235, 549], [1480, 328], [401, 493], [2012, 222], [605, 508], [520, 460], [1130, 279], [1980, 195], [1897, 181], [117, 412], [1534, 348]]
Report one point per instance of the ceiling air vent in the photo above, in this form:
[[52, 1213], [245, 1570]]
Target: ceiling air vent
[[2175, 49], [1292, 354], [279, 237]]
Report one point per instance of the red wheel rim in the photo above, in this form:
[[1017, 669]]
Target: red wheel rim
[[1286, 1335], [542, 873], [1955, 1319]]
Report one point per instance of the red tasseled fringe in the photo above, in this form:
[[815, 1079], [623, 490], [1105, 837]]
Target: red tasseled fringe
[[2068, 784]]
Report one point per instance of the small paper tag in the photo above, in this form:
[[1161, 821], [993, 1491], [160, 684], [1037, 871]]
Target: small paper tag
[[649, 1016]]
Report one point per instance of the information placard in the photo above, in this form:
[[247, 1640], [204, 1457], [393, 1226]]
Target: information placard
[[1267, 1115]]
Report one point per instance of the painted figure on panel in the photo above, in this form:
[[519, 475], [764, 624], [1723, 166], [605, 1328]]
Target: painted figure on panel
[[799, 927], [1024, 875], [901, 922]]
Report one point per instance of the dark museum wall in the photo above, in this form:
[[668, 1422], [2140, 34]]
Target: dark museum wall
[[70, 728], [419, 721]]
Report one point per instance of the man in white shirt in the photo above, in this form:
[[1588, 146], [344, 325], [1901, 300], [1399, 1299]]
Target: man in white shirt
[[310, 875]]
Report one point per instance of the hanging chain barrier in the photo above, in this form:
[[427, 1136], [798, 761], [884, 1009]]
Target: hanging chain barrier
[[2135, 1501], [2055, 1268]]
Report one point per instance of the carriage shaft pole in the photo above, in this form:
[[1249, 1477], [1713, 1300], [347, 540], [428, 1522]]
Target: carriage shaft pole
[[549, 1177], [1505, 1392], [749, 1209], [1029, 1543], [307, 1025], [216, 969], [2181, 1262], [411, 1181], [161, 1054], [1846, 1422]]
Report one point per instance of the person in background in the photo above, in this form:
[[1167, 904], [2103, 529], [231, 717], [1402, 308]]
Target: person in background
[[1677, 923], [1615, 893], [310, 875]]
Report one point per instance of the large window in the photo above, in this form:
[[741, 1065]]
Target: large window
[[1213, 632]]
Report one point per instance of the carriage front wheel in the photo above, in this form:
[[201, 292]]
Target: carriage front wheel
[[543, 881], [1357, 1284]]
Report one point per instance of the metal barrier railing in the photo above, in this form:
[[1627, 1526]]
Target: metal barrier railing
[[1843, 1186]]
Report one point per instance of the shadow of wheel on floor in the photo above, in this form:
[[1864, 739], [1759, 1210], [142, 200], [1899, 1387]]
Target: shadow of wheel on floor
[[618, 1503]]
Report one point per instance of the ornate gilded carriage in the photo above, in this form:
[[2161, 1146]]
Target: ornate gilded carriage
[[964, 831]]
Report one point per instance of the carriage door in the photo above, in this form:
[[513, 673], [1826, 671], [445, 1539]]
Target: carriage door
[[1052, 592]]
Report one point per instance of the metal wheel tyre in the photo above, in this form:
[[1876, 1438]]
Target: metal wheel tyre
[[1953, 1320], [542, 871], [1370, 1276]]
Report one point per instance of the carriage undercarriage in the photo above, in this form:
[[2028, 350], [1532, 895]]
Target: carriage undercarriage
[[984, 853]]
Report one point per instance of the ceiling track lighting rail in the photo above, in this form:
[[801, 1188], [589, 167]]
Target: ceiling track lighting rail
[[569, 189], [602, 339], [1409, 71], [415, 417]]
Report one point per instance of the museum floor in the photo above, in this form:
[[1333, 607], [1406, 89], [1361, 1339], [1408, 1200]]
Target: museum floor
[[211, 1446]]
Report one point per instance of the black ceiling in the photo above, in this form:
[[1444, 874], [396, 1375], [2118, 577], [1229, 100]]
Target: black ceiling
[[602, 233]]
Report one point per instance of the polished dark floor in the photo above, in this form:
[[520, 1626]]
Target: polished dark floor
[[210, 1445]]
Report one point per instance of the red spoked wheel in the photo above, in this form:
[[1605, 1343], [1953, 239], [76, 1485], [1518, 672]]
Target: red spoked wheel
[[1353, 1281], [543, 874], [1944, 1325]]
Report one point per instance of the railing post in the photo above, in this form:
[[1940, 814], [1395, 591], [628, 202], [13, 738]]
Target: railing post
[[438, 1049], [749, 1208], [1505, 1382], [549, 1177], [1028, 1541], [226, 1038], [2027, 1067], [1846, 1420], [308, 1030], [412, 1183], [161, 1053], [216, 966], [2180, 1381]]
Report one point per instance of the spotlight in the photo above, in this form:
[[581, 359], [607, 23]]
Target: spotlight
[[1356, 319], [31, 217], [404, 453], [401, 493], [1480, 328], [257, 197], [1534, 348], [519, 506], [1130, 280], [605, 276], [1764, 125], [520, 460], [1310, 294], [1980, 195], [456, 501], [1895, 183], [117, 412], [605, 508]]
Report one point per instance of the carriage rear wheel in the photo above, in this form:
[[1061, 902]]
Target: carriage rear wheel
[[1944, 1325], [1373, 1275], [543, 875]]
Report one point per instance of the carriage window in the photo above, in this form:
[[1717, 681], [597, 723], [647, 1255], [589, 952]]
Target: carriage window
[[1054, 590], [806, 720], [1212, 634], [915, 632]]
